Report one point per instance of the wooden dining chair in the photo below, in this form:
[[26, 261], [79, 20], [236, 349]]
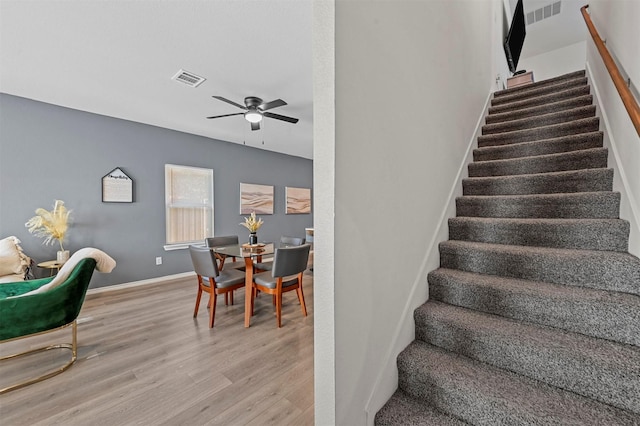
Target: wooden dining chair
[[289, 263], [212, 280], [227, 240], [284, 241]]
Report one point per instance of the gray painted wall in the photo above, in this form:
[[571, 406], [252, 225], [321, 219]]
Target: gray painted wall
[[49, 152]]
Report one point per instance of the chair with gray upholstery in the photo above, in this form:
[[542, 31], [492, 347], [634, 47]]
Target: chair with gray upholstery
[[289, 264], [228, 240], [291, 241], [285, 241], [212, 280]]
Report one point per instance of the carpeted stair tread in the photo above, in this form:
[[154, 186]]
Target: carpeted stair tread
[[581, 234], [604, 270], [586, 180], [485, 395], [549, 81], [537, 91], [540, 120], [583, 125], [596, 368], [533, 316], [562, 105], [597, 313], [590, 205], [540, 147], [593, 158], [402, 409], [540, 100]]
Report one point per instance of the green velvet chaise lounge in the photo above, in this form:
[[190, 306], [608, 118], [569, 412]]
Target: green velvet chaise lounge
[[34, 307]]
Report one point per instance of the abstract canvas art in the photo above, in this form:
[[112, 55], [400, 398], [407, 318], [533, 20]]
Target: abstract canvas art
[[298, 200], [256, 198]]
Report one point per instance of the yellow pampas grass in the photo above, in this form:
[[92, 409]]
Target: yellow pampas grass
[[52, 225], [251, 223]]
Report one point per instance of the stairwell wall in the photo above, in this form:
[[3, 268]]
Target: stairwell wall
[[556, 62], [617, 24], [411, 80]]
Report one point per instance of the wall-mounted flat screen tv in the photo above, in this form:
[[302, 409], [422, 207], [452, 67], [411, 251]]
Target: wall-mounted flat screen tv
[[515, 39]]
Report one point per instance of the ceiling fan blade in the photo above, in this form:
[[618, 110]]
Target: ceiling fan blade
[[273, 104], [220, 98], [227, 115], [255, 126], [280, 117]]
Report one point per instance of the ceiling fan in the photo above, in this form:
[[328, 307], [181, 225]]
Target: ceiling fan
[[254, 109]]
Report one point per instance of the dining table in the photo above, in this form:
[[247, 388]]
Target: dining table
[[250, 253]]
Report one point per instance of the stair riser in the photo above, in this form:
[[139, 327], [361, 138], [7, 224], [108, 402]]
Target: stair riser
[[601, 206], [578, 234], [535, 358], [546, 82], [542, 100], [593, 180], [585, 125], [456, 385], [582, 269], [539, 121], [595, 158], [610, 316], [564, 105], [543, 147], [535, 92], [402, 409]]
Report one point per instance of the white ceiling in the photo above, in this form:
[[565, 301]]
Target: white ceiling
[[117, 58]]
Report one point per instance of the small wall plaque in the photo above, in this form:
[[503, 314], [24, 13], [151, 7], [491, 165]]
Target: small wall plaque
[[117, 187]]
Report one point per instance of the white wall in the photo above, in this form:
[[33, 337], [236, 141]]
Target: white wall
[[557, 62], [617, 23], [323, 200], [411, 81]]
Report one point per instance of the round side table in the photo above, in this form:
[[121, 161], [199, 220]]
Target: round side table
[[51, 265]]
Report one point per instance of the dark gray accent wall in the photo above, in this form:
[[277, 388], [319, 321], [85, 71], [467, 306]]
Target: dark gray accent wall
[[49, 152]]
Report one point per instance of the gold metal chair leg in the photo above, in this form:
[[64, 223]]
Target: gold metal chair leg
[[73, 347]]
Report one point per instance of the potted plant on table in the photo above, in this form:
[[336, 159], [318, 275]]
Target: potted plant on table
[[252, 224], [53, 226]]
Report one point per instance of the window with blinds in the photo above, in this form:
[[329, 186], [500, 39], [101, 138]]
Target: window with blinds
[[189, 204]]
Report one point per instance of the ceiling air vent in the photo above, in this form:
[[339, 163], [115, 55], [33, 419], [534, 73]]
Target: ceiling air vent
[[188, 78], [543, 13]]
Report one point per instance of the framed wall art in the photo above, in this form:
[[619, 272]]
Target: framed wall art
[[256, 198], [117, 187], [298, 200]]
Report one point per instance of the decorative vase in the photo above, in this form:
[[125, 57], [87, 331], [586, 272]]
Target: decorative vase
[[63, 256], [253, 238]]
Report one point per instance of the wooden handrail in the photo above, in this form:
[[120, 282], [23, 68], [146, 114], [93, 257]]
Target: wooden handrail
[[627, 98]]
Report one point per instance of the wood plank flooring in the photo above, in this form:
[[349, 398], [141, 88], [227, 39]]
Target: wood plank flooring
[[143, 360]]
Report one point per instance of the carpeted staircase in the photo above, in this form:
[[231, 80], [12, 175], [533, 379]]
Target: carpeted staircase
[[533, 317]]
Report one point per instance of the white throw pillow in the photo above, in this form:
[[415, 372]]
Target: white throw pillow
[[12, 259], [11, 278]]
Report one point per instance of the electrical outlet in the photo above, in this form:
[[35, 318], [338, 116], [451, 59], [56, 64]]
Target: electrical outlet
[[158, 260]]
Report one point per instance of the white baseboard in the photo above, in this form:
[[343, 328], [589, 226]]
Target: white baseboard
[[134, 284]]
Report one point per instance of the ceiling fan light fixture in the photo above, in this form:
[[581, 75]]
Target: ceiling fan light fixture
[[254, 109], [253, 116]]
